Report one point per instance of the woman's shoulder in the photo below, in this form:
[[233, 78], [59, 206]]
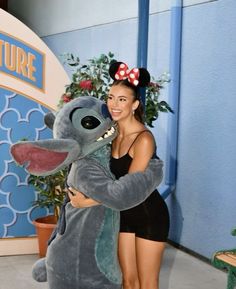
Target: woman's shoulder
[[145, 135], [144, 139], [144, 146]]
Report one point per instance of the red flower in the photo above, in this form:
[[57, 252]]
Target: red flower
[[154, 84], [86, 84], [65, 98], [151, 84]]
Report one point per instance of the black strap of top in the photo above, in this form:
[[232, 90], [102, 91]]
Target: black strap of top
[[136, 138]]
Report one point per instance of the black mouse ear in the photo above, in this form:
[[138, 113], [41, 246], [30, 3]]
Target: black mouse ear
[[114, 67], [144, 77]]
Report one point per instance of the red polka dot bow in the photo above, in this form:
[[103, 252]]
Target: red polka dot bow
[[132, 75]]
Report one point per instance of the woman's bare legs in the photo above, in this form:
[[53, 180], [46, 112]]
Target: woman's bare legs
[[140, 261], [127, 259], [149, 257]]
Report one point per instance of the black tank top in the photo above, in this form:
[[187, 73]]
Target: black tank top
[[148, 220], [120, 166]]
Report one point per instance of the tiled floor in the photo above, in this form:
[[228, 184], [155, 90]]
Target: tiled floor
[[179, 271], [183, 271]]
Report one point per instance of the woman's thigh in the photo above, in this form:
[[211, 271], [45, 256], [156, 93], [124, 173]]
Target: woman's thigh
[[127, 254], [148, 258]]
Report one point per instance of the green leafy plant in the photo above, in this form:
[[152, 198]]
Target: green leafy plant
[[88, 79], [93, 79], [51, 190]]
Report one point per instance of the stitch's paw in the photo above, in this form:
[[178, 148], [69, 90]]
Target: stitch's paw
[[155, 172], [156, 166], [39, 272]]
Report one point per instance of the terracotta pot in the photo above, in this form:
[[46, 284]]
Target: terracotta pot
[[44, 227]]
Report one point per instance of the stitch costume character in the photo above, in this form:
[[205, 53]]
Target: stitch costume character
[[84, 256]]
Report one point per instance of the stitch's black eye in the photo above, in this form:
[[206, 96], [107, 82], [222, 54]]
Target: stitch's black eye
[[90, 122]]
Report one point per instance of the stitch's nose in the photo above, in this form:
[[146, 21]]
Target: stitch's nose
[[105, 111]]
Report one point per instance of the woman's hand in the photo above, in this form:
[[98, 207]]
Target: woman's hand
[[79, 200]]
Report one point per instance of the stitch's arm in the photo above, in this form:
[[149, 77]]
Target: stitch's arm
[[128, 191]]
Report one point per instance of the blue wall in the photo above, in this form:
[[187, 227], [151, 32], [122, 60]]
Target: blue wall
[[203, 206]]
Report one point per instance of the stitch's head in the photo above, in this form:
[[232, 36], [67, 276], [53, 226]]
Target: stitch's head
[[87, 121], [80, 128]]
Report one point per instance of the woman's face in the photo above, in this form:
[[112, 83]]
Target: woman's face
[[121, 102]]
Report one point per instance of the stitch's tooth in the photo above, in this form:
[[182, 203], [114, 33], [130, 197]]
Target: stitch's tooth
[[101, 138]]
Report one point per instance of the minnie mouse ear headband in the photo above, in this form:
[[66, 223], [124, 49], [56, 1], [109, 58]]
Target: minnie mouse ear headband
[[136, 76]]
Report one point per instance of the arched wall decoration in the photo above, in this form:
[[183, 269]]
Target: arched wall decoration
[[32, 81], [27, 65]]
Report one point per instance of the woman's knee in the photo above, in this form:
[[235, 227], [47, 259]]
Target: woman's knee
[[149, 283], [131, 283]]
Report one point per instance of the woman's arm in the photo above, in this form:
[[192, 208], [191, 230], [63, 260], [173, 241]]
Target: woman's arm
[[79, 200], [141, 152]]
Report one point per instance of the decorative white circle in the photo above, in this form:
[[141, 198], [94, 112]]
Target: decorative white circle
[[131, 75]]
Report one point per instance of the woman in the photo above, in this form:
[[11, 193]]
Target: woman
[[144, 228]]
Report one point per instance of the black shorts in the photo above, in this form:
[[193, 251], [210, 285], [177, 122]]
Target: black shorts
[[148, 220]]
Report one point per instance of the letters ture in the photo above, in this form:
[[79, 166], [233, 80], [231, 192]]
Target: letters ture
[[22, 61]]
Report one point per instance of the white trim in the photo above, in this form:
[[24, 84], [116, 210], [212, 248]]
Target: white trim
[[18, 246]]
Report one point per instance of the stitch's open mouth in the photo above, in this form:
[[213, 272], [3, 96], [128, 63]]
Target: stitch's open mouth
[[108, 133]]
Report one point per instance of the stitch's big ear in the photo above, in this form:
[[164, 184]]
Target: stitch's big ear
[[45, 157], [49, 119], [37, 160]]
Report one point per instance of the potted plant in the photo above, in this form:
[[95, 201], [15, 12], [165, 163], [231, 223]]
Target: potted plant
[[51, 192]]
